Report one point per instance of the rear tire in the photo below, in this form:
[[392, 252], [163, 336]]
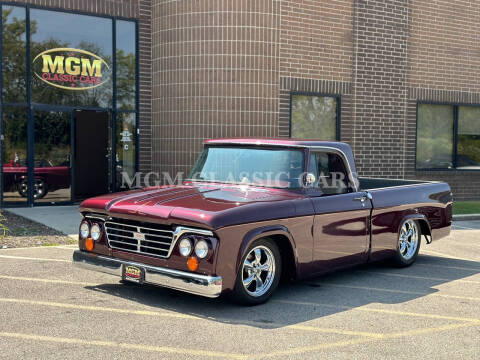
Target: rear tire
[[408, 243], [259, 273]]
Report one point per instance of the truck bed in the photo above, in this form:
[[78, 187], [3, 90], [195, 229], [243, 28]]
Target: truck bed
[[379, 183]]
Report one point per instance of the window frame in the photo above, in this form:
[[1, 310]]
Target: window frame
[[338, 99], [29, 104], [455, 135]]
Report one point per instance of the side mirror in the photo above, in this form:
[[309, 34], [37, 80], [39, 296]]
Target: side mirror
[[309, 179]]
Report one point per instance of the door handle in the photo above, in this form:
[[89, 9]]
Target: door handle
[[364, 198]]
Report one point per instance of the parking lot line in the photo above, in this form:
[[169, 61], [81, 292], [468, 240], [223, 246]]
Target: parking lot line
[[357, 287], [127, 346], [54, 281], [33, 258], [190, 317], [67, 247], [449, 267], [309, 349], [373, 272], [383, 311]]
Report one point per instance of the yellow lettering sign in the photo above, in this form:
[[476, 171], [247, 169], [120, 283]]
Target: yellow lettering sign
[[72, 69], [53, 66], [91, 68]]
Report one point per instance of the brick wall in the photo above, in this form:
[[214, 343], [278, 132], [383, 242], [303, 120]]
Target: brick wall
[[316, 39], [216, 75], [444, 45], [443, 68], [224, 68], [379, 86]]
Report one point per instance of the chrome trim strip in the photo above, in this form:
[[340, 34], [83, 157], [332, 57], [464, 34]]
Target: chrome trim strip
[[208, 286], [98, 217], [136, 227]]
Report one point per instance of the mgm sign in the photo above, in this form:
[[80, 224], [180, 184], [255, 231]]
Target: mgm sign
[[70, 69]]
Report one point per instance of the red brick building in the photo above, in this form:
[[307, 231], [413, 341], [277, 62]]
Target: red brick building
[[397, 80]]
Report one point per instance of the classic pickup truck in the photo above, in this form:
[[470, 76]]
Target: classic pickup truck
[[254, 211]]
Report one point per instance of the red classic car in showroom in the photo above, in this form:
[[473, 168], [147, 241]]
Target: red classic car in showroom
[[254, 211], [46, 178]]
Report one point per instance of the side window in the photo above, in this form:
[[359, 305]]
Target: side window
[[330, 172]]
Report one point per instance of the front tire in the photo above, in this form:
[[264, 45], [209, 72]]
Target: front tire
[[259, 273], [408, 244]]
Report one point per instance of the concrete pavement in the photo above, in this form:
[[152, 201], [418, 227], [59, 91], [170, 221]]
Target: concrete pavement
[[62, 218], [48, 309]]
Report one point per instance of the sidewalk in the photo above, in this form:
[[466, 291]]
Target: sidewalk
[[62, 218]]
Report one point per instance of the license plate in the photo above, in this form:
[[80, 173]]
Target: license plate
[[133, 273]]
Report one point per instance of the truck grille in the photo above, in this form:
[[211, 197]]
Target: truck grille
[[134, 236]]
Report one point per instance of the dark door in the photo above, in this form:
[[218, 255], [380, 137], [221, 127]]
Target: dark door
[[341, 223], [91, 153]]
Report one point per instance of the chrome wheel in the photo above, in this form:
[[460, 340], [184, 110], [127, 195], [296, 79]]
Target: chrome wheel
[[408, 240], [39, 189], [258, 271]]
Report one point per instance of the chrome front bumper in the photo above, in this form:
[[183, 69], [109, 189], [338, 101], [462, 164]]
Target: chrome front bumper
[[209, 286]]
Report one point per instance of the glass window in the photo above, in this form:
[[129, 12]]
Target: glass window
[[330, 173], [71, 58], [126, 146], [435, 136], [52, 156], [15, 155], [264, 167], [314, 117], [126, 64], [14, 54], [468, 142]]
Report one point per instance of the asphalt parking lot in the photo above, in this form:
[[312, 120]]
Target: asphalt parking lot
[[48, 309]]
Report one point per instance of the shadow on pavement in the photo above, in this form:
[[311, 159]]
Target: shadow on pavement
[[295, 303]]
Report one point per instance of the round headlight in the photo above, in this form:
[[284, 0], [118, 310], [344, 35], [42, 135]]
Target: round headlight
[[95, 232], [201, 249], [185, 247], [84, 230]]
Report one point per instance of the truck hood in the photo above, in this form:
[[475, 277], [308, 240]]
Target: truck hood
[[210, 205]]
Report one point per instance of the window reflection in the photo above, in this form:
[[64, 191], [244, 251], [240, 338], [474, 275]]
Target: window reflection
[[52, 156], [435, 136], [126, 146], [79, 76], [468, 143], [314, 117], [14, 54], [126, 64], [14, 154]]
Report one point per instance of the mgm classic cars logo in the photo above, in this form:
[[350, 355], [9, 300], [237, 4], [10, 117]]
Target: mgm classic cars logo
[[70, 69]]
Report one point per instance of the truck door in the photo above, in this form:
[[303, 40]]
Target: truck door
[[341, 221]]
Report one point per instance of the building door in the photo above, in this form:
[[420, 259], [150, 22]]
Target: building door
[[91, 155]]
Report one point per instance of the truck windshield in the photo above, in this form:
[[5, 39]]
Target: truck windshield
[[280, 168]]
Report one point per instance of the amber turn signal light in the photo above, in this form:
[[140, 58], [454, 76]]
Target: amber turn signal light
[[192, 263], [89, 244]]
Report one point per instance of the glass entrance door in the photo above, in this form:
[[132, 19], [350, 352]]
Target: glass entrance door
[[52, 161]]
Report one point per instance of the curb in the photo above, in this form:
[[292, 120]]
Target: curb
[[466, 217]]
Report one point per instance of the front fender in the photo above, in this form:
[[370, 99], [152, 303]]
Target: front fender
[[262, 232]]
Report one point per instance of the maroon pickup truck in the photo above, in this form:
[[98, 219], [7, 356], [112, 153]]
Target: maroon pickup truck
[[254, 211]]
